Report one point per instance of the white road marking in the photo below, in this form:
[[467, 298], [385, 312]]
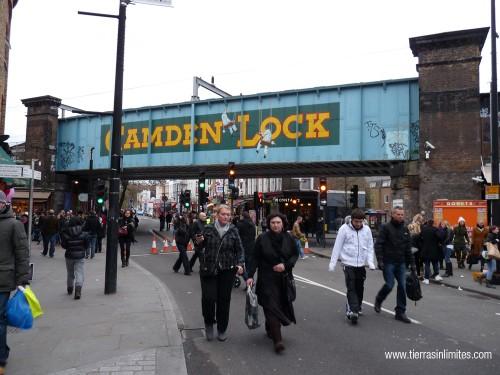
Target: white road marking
[[314, 283]]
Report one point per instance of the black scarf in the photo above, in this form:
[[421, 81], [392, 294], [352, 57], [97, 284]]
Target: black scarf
[[276, 240]]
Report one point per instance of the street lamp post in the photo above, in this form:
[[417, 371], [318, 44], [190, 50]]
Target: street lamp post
[[495, 204], [91, 186], [30, 208]]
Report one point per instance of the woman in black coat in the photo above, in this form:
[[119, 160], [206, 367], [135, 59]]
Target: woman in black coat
[[275, 255], [431, 250], [126, 235], [247, 231], [182, 239]]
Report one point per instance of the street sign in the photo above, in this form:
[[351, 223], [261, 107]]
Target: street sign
[[492, 192], [11, 171], [163, 3], [83, 197], [397, 203]]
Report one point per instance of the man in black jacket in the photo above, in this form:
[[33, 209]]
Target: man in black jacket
[[76, 243], [197, 227], [247, 231], [393, 251], [92, 228]]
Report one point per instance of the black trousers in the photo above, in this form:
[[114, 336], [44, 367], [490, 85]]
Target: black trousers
[[182, 259], [216, 298], [354, 281], [273, 325], [125, 249], [195, 256]]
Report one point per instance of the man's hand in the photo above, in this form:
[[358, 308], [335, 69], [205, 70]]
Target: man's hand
[[199, 238], [380, 265], [331, 267], [371, 266], [250, 282]]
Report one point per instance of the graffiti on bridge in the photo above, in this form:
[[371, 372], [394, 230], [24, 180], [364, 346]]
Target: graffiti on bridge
[[375, 131], [70, 153]]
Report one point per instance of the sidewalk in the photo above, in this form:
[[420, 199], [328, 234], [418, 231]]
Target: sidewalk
[[132, 332], [462, 278]]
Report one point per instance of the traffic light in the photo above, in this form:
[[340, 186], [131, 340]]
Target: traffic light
[[353, 196], [202, 195], [187, 198], [323, 191], [100, 194], [235, 193], [231, 176]]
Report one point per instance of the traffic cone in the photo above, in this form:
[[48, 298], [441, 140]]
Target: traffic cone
[[174, 246], [165, 246], [190, 246], [307, 250], [154, 250]]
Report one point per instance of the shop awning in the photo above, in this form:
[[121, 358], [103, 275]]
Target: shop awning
[[37, 195]]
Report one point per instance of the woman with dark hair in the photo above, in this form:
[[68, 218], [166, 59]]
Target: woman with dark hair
[[247, 231], [126, 235], [275, 255], [493, 238], [431, 251], [182, 239]]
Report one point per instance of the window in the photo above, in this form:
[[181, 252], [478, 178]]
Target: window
[[373, 185], [386, 183], [386, 198]]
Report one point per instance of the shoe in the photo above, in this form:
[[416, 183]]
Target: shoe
[[209, 332], [176, 271], [221, 336], [402, 317], [124, 265], [187, 273], [377, 306], [279, 347], [360, 312], [425, 281], [488, 284], [438, 278], [354, 318], [70, 290], [78, 292], [42, 254]]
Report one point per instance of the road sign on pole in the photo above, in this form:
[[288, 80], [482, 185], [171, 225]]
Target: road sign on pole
[[163, 3], [492, 192]]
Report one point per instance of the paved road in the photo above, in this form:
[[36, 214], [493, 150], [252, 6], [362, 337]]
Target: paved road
[[323, 342]]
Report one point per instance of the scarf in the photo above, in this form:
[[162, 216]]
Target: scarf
[[221, 229], [276, 240]]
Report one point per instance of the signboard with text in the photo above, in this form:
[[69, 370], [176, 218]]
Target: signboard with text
[[492, 192]]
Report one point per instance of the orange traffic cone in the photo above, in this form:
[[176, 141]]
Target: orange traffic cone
[[154, 250], [174, 246], [190, 246], [307, 250], [165, 246]]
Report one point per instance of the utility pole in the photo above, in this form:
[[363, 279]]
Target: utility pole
[[495, 204], [91, 186]]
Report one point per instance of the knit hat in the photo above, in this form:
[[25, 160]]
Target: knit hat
[[3, 197], [461, 219]]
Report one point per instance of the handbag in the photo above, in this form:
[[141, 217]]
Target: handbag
[[123, 231], [493, 252], [291, 291], [251, 309]]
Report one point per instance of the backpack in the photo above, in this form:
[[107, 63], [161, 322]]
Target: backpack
[[413, 291]]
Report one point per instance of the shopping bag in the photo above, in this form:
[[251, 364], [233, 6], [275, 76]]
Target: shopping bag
[[19, 312], [252, 309], [493, 252], [35, 307]]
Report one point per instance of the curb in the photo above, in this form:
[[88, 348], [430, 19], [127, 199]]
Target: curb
[[175, 350], [467, 289]]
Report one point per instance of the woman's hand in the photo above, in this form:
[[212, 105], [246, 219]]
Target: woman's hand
[[280, 267], [250, 282]]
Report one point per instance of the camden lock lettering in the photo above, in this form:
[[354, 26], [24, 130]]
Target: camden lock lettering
[[263, 130]]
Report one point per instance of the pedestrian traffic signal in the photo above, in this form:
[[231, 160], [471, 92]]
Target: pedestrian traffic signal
[[202, 196], [231, 175], [100, 194], [323, 191], [353, 196]]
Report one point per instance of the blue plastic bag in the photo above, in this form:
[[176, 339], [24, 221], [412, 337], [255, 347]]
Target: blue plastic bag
[[19, 312]]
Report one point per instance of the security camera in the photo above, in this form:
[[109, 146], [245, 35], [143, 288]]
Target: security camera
[[478, 179], [429, 145]]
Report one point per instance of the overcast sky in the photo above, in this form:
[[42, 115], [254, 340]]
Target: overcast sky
[[249, 46]]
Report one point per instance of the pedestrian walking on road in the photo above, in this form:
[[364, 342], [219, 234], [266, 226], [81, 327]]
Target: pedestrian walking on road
[[460, 242], [247, 231], [493, 238], [76, 243], [92, 228], [393, 251], [49, 229], [125, 236], [275, 255], [431, 251], [197, 228], [415, 228], [479, 235], [182, 239], [14, 267], [299, 237], [446, 242], [222, 258], [168, 220], [354, 248]]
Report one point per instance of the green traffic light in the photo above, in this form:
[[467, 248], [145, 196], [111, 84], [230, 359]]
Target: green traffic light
[[202, 185], [187, 204], [100, 200]]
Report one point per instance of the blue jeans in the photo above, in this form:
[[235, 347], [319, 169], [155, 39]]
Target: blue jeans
[[492, 267], [52, 241], [299, 248], [92, 245], [447, 253], [427, 268], [394, 271], [4, 349]]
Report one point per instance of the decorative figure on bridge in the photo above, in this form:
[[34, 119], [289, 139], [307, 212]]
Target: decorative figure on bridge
[[229, 124], [265, 140]]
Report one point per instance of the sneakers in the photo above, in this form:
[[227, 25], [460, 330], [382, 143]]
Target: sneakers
[[438, 278], [402, 318], [304, 257], [426, 281], [221, 336], [377, 306], [353, 317], [78, 292], [70, 290], [209, 331]]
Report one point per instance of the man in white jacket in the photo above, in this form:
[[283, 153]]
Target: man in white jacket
[[354, 247]]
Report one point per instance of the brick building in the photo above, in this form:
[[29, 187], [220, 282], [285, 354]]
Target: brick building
[[6, 7]]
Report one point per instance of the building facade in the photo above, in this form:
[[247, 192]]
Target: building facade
[[6, 7]]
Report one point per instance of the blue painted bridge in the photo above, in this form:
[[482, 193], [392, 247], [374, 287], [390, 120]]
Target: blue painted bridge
[[355, 129]]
